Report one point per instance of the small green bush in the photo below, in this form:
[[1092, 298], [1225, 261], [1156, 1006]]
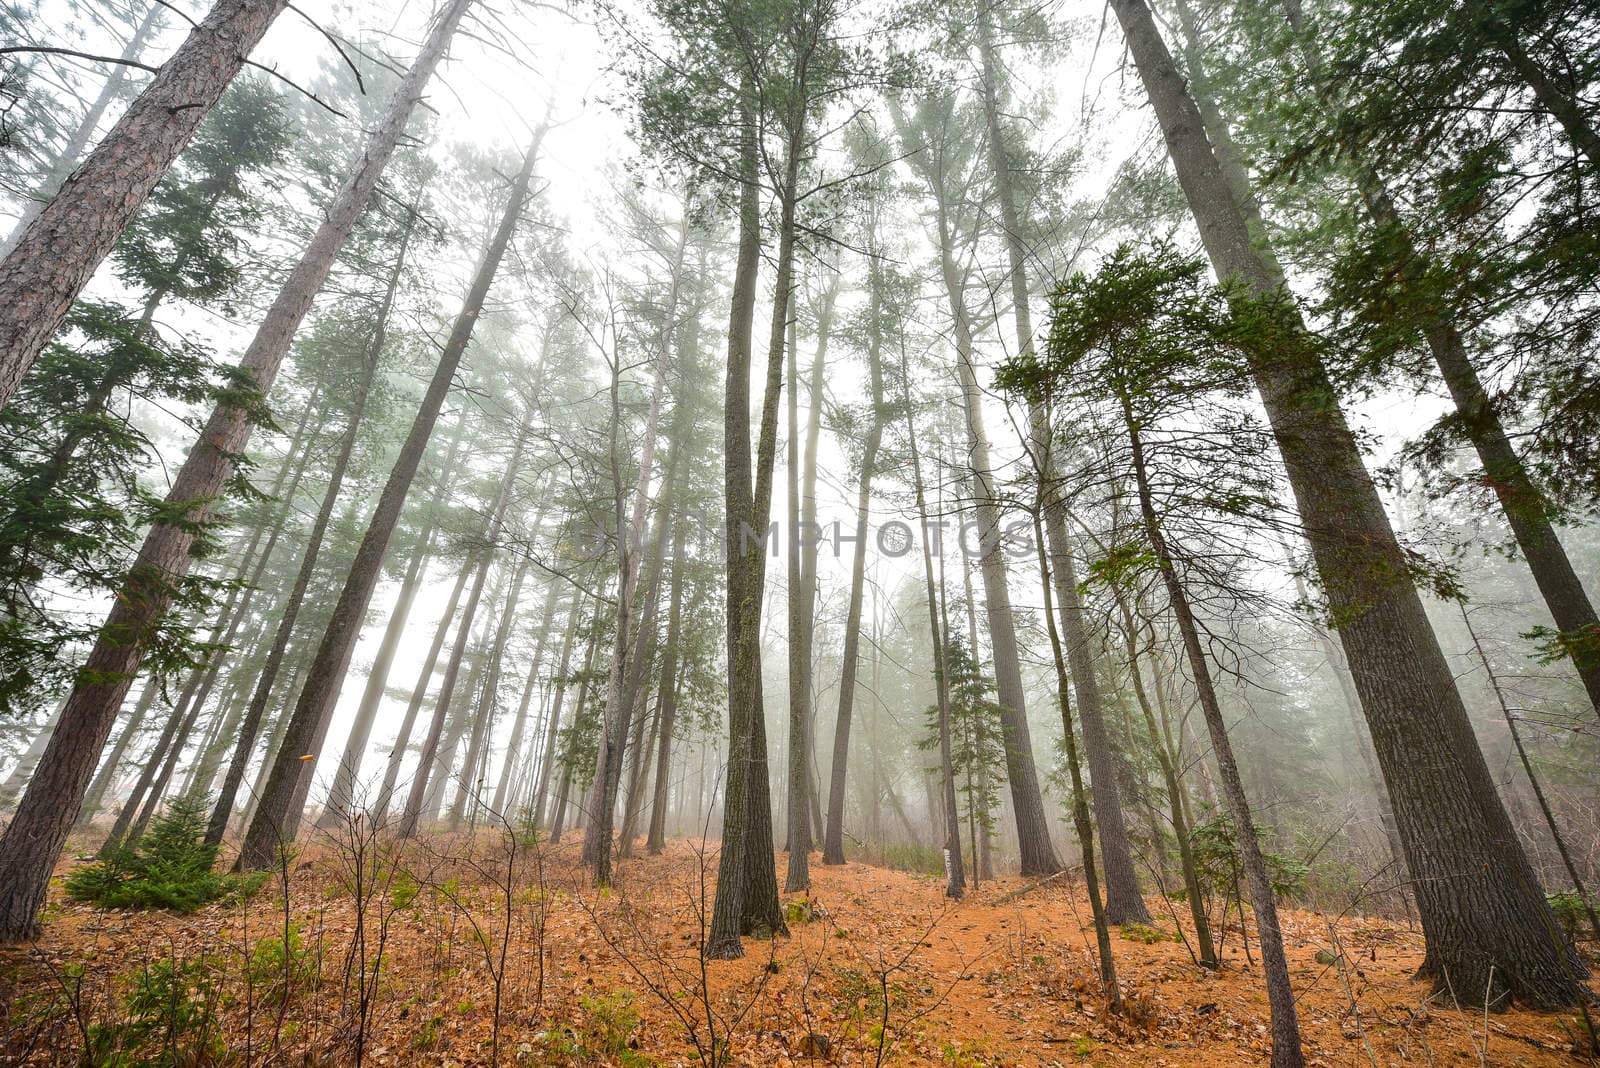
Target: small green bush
[[607, 1038], [170, 1019], [1571, 914], [277, 973], [169, 868]]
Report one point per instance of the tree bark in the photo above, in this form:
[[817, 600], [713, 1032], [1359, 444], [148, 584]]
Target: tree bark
[[597, 843], [276, 822], [63, 246], [1490, 931], [743, 896], [250, 726], [430, 744]]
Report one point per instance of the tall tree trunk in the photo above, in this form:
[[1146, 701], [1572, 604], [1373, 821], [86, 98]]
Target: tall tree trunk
[[1033, 831], [1561, 105], [111, 766], [289, 611], [808, 523], [72, 151], [1123, 902], [276, 819], [1490, 931], [342, 795], [419, 694], [430, 742], [747, 879], [667, 700], [1286, 1052], [833, 842], [1526, 507], [41, 290], [64, 244]]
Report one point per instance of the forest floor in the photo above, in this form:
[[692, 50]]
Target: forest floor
[[878, 968]]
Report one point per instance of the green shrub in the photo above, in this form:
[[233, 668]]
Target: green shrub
[[169, 868], [607, 1038], [169, 1019], [276, 973], [1571, 914]]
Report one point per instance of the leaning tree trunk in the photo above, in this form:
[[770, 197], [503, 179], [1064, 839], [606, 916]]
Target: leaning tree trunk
[[1080, 807], [430, 742], [1167, 757], [63, 247], [551, 729], [1484, 917], [66, 160], [1286, 1052], [419, 694], [519, 726], [342, 795], [250, 726], [33, 840], [1526, 507], [275, 820]]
